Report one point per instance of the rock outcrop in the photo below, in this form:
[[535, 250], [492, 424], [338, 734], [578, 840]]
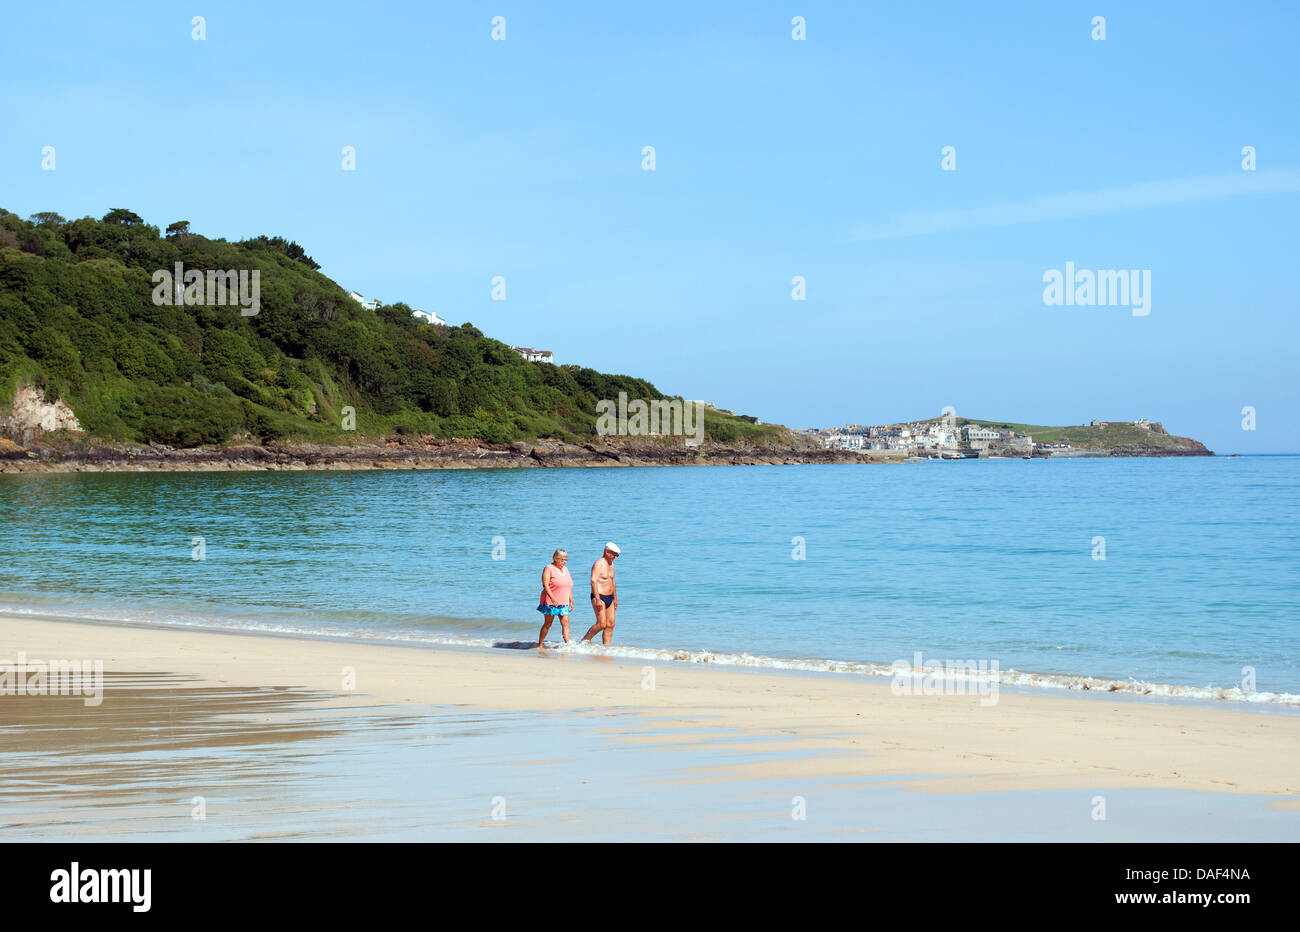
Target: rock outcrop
[[32, 415], [403, 453]]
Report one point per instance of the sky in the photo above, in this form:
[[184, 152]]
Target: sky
[[774, 157]]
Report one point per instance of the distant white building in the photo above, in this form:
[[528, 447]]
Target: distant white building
[[360, 299], [533, 355], [429, 317], [974, 432], [938, 436], [843, 442]]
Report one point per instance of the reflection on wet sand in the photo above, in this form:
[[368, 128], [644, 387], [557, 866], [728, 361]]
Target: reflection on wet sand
[[166, 757], [139, 760]]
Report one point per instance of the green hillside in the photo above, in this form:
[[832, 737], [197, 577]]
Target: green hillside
[[79, 320]]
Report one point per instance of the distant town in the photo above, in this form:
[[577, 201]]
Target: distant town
[[950, 438]]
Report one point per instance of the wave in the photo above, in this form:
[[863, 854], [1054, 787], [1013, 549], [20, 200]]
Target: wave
[[918, 676], [951, 677]]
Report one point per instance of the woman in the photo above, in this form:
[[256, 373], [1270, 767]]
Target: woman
[[557, 595]]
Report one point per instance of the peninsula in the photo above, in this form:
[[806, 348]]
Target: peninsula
[[951, 437]]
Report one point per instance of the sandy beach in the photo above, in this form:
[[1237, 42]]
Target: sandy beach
[[698, 731]]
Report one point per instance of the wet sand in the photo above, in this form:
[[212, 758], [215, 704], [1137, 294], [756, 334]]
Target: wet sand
[[261, 737]]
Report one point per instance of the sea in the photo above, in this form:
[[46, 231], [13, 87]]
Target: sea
[[1172, 577]]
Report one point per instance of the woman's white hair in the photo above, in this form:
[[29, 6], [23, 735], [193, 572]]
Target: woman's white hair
[[559, 553]]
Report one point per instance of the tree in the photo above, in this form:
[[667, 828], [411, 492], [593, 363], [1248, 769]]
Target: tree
[[47, 218], [179, 228], [123, 216], [280, 244]]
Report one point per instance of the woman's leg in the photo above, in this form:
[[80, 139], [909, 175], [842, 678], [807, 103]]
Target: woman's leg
[[564, 626], [546, 626]]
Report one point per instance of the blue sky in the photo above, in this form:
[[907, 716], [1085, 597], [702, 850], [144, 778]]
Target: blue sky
[[774, 158]]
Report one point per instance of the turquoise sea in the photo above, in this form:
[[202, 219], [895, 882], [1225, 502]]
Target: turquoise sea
[[986, 561]]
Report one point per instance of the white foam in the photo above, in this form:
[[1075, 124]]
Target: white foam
[[1001, 677]]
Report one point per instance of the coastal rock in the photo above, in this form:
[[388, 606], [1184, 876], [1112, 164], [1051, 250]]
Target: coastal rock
[[61, 454], [32, 415]]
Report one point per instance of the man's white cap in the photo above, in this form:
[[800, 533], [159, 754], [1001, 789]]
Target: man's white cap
[[610, 545]]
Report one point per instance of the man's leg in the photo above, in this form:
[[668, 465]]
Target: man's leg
[[599, 608], [607, 635]]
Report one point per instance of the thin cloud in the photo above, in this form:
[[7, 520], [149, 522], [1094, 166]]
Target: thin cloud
[[1084, 203]]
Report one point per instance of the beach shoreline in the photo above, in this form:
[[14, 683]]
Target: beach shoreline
[[916, 672], [832, 726]]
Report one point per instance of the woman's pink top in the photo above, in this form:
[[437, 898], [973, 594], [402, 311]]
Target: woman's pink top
[[560, 585]]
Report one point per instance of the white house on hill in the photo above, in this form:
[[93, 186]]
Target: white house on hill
[[533, 355], [360, 299]]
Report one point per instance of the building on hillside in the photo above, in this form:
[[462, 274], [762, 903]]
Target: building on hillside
[[938, 435], [974, 432], [429, 317], [936, 438], [360, 299], [533, 355]]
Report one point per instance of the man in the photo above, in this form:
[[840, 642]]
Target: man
[[604, 594]]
